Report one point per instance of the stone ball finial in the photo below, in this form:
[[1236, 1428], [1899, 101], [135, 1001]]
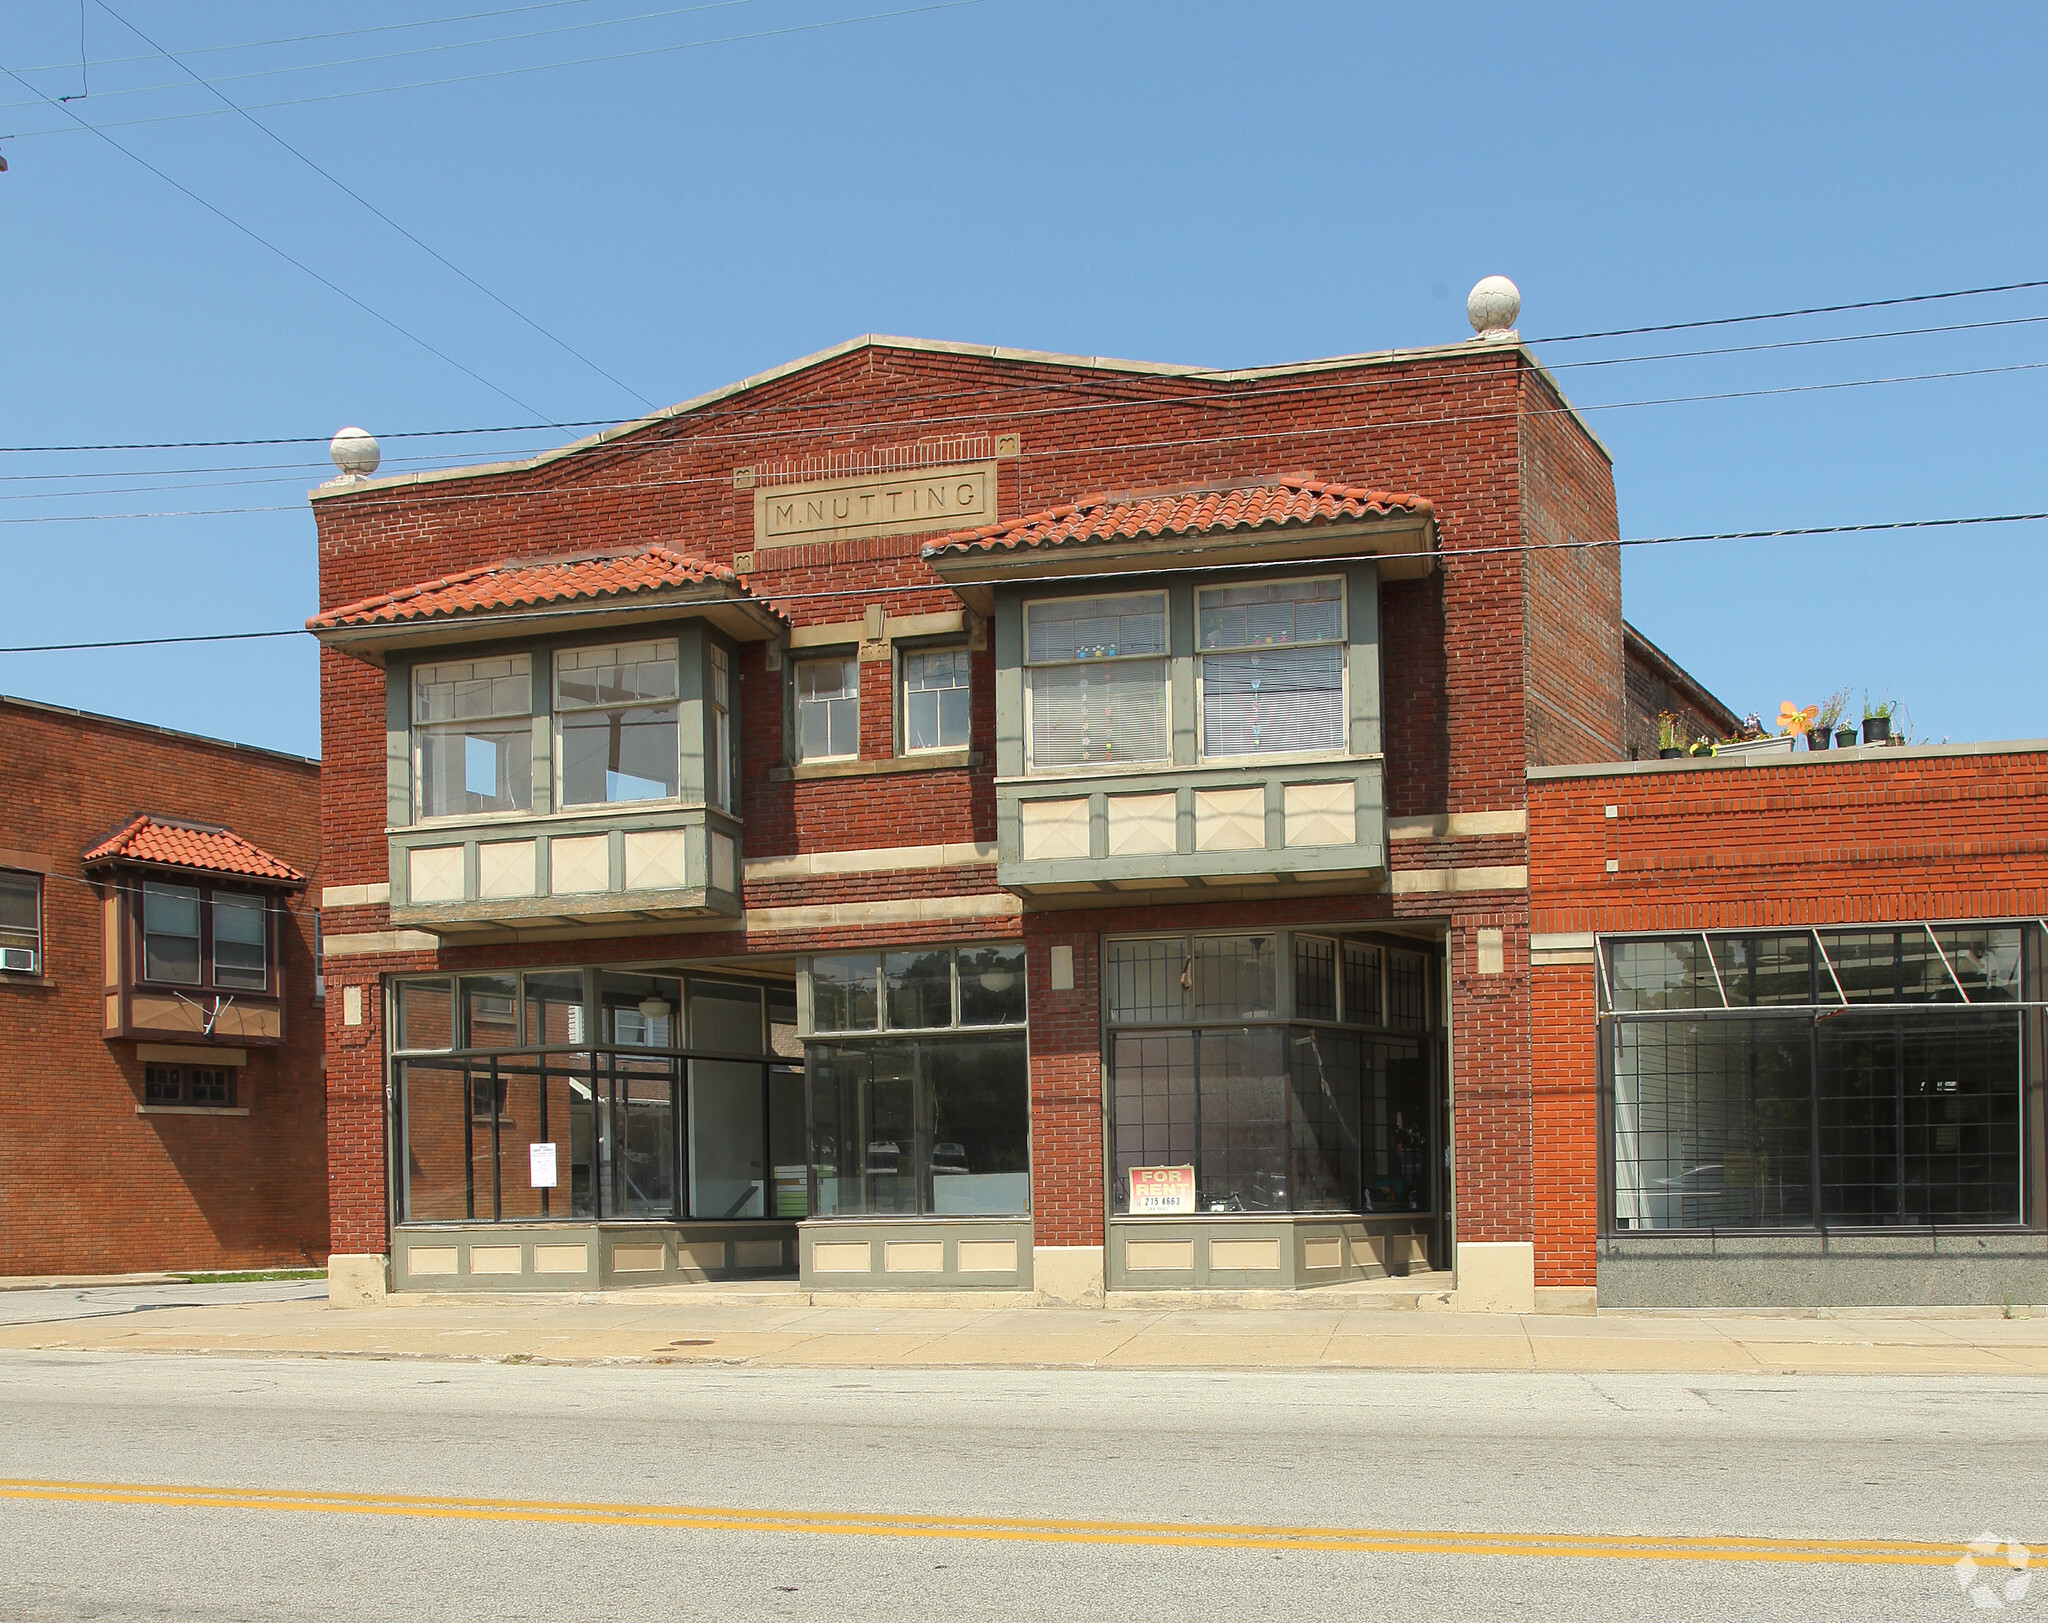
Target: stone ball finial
[[355, 453], [1492, 306]]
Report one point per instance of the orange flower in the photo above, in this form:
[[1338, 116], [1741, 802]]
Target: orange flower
[[1792, 719]]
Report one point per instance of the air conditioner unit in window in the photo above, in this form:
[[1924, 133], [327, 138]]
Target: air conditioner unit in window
[[18, 958]]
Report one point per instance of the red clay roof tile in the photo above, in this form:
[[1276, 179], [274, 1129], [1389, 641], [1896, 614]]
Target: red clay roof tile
[[524, 583], [1285, 502], [172, 844]]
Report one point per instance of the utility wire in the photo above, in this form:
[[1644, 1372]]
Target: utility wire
[[418, 50], [768, 595], [264, 242], [343, 33], [506, 73], [343, 186], [413, 497], [1787, 315], [1077, 385]]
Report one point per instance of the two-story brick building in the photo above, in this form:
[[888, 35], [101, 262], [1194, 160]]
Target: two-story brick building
[[161, 1101], [939, 815]]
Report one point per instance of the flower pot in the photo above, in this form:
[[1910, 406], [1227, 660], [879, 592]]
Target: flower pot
[[1877, 729], [1673, 754], [1816, 738], [1845, 738]]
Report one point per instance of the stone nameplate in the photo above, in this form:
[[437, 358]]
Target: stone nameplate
[[951, 498]]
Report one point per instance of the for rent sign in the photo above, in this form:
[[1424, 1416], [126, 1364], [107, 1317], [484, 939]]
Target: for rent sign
[[1156, 1190]]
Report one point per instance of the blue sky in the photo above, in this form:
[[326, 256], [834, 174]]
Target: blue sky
[[1212, 184]]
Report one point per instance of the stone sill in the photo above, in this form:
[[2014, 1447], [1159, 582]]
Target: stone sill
[[191, 1110], [935, 761], [16, 978]]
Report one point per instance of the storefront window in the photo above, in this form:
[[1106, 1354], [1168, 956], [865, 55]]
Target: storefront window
[[1273, 1088], [1840, 1078], [938, 1125], [671, 1115]]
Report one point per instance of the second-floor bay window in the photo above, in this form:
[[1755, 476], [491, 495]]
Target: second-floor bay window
[[473, 736], [170, 934], [1095, 681], [1272, 668], [615, 722], [195, 937]]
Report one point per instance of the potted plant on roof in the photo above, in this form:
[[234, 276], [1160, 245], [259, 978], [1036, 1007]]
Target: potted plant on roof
[[1793, 720], [1669, 746], [1877, 718], [1825, 720]]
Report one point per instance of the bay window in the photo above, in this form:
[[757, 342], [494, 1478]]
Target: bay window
[[1096, 681], [473, 736], [170, 934], [1272, 668], [615, 724], [194, 936]]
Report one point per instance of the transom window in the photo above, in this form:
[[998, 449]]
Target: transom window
[[828, 709], [473, 737], [615, 724], [21, 923], [1096, 681], [935, 700], [1272, 668]]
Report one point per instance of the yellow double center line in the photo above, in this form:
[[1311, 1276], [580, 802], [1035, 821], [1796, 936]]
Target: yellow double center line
[[1002, 1529]]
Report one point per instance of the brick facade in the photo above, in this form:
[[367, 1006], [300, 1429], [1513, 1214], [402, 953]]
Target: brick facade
[[1490, 662], [89, 1184], [1793, 841]]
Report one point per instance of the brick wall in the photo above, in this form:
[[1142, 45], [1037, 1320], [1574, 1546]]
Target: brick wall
[[1656, 686], [1459, 726], [86, 1184], [1786, 842]]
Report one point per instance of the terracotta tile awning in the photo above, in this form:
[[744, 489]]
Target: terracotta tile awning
[[164, 842], [1288, 502], [521, 584]]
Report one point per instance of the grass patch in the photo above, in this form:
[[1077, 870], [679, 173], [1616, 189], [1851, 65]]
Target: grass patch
[[253, 1275]]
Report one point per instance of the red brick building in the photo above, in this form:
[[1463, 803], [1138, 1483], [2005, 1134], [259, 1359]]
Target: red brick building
[[932, 814], [161, 1097]]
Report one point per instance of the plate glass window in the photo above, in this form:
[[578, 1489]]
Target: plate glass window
[[615, 717], [21, 919], [170, 934], [473, 737], [935, 700], [238, 942], [828, 709], [1095, 681], [1272, 668]]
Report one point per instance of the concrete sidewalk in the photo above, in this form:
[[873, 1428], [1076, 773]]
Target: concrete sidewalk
[[781, 1325]]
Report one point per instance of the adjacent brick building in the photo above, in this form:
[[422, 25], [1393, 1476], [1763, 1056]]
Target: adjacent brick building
[[938, 814], [161, 1096]]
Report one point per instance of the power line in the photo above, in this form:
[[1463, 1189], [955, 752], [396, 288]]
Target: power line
[[341, 33], [771, 597], [393, 56], [412, 496], [273, 247], [1079, 385], [506, 73], [1787, 315], [341, 185]]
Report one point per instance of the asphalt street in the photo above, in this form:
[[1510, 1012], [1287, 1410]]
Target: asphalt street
[[362, 1489]]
